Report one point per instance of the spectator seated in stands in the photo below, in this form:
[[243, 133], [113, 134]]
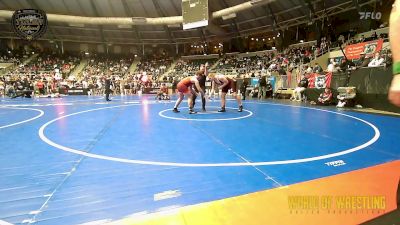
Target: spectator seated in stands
[[309, 69], [162, 94], [376, 61], [299, 90], [317, 69], [363, 61], [346, 97], [325, 98], [332, 67], [346, 65]]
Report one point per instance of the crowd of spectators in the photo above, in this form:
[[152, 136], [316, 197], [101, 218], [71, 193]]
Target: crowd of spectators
[[51, 71], [13, 56], [155, 66], [44, 73], [9, 58], [191, 66]]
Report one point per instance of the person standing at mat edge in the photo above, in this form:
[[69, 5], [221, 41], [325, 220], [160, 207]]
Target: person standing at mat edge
[[394, 35], [185, 87], [201, 77], [225, 84], [107, 85]]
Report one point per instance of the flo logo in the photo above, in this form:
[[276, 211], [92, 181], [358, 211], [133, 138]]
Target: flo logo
[[370, 15], [29, 24]]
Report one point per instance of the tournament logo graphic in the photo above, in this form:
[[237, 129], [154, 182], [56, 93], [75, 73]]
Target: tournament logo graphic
[[29, 24]]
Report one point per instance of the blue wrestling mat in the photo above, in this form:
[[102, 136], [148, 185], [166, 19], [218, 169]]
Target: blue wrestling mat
[[80, 159]]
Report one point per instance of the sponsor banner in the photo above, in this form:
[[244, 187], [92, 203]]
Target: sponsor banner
[[368, 48]]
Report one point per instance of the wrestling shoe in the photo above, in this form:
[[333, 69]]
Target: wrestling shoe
[[192, 111], [203, 109], [240, 109], [222, 110], [175, 110]]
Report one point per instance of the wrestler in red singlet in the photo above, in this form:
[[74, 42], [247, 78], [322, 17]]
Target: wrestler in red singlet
[[183, 85]]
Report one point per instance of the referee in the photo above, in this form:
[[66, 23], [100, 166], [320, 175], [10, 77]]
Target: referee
[[108, 87], [201, 76]]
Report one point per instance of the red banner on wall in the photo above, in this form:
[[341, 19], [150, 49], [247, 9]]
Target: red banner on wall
[[319, 81], [368, 48]]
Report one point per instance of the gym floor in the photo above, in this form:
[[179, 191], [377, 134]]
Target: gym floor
[[79, 159]]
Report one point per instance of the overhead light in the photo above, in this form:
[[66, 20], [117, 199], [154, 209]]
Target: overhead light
[[269, 39], [301, 41], [33, 53], [76, 25], [252, 39], [9, 52], [205, 54], [230, 16], [256, 39], [125, 26], [263, 39], [174, 25], [197, 24], [139, 20], [135, 55], [86, 53], [274, 37], [256, 2], [215, 46]]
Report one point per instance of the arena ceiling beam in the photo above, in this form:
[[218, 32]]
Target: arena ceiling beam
[[52, 35], [189, 36], [171, 20], [334, 10], [202, 35], [309, 8], [355, 3], [100, 26], [161, 13], [216, 29], [128, 12], [234, 25]]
